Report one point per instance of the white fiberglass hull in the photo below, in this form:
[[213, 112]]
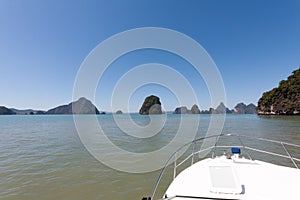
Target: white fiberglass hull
[[236, 178]]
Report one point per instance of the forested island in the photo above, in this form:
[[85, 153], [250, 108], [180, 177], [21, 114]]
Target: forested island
[[282, 100]]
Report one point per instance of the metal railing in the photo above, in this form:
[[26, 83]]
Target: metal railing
[[213, 148]]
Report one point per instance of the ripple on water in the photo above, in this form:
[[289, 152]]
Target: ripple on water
[[41, 157]]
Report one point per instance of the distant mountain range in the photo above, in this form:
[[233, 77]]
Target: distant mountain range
[[85, 106], [240, 108], [81, 106], [27, 112], [283, 100], [152, 103]]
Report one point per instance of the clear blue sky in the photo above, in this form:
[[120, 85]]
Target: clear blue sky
[[254, 43]]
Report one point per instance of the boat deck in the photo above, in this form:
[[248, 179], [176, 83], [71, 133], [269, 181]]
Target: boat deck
[[235, 178]]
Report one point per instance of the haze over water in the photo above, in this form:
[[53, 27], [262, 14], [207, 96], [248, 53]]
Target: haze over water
[[42, 157]]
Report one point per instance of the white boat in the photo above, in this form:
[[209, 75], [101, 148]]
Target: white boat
[[234, 175]]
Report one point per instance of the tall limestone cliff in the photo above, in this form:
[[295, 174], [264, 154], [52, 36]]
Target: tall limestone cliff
[[151, 106], [195, 109], [282, 100]]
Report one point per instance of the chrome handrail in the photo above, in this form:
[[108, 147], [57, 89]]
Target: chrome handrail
[[215, 146]]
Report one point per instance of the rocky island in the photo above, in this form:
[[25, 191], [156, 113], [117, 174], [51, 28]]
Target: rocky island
[[242, 108], [81, 106], [184, 110], [181, 110], [6, 111], [221, 109], [151, 106], [282, 100], [119, 112]]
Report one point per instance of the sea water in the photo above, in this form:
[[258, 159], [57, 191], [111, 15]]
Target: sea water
[[42, 157]]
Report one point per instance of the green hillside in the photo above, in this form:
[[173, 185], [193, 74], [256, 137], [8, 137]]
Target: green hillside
[[285, 99]]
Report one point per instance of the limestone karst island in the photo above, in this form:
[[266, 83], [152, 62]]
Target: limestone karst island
[[282, 100]]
